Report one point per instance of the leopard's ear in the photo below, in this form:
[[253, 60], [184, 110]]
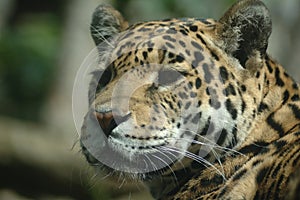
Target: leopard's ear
[[245, 29], [106, 22]]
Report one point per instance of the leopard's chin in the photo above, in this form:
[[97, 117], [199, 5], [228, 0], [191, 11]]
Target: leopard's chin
[[134, 163], [130, 176]]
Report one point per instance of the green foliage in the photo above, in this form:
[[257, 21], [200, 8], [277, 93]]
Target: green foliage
[[139, 10], [27, 63]]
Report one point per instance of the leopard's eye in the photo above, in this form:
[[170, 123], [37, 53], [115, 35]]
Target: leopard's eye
[[168, 76], [105, 77]]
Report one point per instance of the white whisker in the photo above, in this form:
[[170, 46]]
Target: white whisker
[[153, 165], [123, 182], [172, 171], [211, 143], [193, 157]]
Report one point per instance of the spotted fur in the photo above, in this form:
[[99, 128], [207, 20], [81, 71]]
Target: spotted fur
[[212, 75]]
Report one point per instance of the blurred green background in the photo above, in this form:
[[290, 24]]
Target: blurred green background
[[29, 49], [42, 45]]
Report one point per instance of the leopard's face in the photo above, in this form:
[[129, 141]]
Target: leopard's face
[[195, 108], [168, 93]]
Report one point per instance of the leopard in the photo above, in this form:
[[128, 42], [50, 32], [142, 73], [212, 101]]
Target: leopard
[[195, 108]]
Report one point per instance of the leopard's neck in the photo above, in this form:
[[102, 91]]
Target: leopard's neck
[[272, 122], [280, 93]]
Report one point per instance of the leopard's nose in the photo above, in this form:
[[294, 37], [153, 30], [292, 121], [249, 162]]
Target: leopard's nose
[[106, 122]]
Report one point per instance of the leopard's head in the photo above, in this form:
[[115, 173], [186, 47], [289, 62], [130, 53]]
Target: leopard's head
[[176, 93]]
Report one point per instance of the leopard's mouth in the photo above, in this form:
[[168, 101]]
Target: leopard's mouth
[[119, 150], [148, 172], [119, 158], [120, 138]]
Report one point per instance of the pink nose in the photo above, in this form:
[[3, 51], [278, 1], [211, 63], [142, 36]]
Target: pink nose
[[105, 121]]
